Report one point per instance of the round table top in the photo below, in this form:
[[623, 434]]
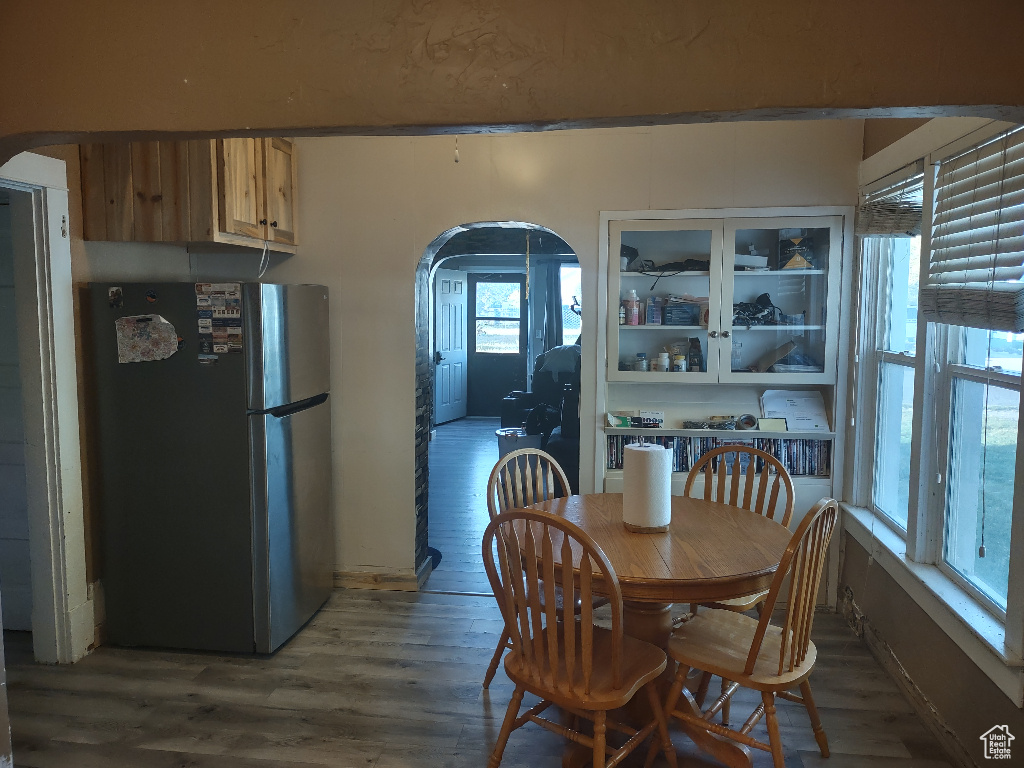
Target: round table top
[[711, 551]]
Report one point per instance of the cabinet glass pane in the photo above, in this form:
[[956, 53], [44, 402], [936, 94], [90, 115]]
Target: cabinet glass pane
[[664, 290], [780, 289]]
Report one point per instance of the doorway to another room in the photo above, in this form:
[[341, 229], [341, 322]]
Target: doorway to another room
[[495, 314]]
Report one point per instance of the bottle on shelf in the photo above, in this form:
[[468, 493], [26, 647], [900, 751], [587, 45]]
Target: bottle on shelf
[[695, 356], [632, 304], [641, 363], [622, 314]]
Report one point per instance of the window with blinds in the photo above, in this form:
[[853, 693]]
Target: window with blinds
[[976, 259], [893, 208]]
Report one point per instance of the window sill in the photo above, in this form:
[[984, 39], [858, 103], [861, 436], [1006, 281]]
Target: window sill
[[977, 632]]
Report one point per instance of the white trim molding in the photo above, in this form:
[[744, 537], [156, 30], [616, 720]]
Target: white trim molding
[[62, 613]]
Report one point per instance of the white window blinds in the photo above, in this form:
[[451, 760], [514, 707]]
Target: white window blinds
[[976, 259], [892, 209]]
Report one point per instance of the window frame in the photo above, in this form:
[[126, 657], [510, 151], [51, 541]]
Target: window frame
[[992, 638]]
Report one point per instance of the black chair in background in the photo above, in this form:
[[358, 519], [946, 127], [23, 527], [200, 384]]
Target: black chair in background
[[551, 408]]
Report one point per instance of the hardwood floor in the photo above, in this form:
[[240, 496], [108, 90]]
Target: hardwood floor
[[392, 680], [385, 680], [462, 454]]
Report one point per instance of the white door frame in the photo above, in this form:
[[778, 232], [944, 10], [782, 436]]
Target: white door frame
[[63, 624]]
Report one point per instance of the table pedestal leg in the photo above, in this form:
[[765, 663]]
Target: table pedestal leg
[[652, 623]]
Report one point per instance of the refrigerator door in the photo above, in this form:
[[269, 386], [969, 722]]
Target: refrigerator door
[[287, 343], [293, 530], [173, 480]]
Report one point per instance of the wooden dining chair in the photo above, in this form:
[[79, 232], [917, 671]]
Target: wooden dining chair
[[757, 489], [754, 653], [584, 669], [519, 479]]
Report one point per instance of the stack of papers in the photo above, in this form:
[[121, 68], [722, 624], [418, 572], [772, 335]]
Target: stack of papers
[[803, 411]]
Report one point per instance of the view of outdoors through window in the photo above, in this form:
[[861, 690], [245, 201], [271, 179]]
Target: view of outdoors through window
[[895, 423], [570, 276], [895, 406], [497, 317], [904, 276], [983, 456]]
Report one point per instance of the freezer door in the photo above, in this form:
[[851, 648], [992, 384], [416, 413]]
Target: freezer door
[[293, 539], [287, 343]]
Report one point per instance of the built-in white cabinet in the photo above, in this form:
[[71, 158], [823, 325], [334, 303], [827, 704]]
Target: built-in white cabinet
[[769, 291], [771, 312]]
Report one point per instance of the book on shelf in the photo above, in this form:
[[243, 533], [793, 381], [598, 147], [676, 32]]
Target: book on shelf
[[802, 457]]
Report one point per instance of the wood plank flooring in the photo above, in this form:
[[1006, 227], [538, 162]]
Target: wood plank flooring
[[384, 680], [392, 680], [462, 454]]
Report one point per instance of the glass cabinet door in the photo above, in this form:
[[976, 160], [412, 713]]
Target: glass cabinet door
[[779, 281], [664, 300]]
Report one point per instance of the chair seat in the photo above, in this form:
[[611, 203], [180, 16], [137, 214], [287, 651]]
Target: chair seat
[[739, 604], [597, 602], [641, 663], [718, 641]]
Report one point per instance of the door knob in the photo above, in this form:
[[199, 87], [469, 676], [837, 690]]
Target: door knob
[[726, 334], [273, 224], [438, 357], [263, 222], [713, 334]]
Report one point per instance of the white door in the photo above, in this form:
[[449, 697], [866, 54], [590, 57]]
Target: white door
[[450, 307]]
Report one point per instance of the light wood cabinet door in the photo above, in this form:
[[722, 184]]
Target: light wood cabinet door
[[160, 203], [241, 175], [279, 168]]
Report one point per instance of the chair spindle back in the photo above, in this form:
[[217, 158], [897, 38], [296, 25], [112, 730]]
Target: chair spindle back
[[524, 477], [803, 561], [724, 481], [554, 653]]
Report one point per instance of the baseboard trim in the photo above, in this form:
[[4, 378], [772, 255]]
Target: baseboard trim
[[932, 718], [396, 581]]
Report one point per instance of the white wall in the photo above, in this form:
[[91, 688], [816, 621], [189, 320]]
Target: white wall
[[369, 207], [15, 574]]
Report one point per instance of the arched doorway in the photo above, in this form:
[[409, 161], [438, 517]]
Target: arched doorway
[[490, 298]]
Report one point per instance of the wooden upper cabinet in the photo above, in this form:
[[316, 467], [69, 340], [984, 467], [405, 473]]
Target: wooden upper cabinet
[[242, 189], [279, 167], [232, 191]]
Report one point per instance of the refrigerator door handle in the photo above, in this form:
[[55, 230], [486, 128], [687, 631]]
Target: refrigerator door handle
[[287, 410]]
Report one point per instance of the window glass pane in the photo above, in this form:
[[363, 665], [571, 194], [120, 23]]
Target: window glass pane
[[570, 278], [997, 350], [904, 273], [892, 441], [497, 299], [983, 455], [499, 336]]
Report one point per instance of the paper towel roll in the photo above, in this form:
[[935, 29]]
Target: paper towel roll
[[646, 487]]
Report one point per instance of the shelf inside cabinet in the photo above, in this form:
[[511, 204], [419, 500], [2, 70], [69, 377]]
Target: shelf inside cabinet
[[779, 272], [732, 434], [665, 274], [783, 329], [662, 328]]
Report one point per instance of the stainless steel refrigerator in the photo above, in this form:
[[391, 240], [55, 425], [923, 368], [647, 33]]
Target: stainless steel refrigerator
[[213, 440]]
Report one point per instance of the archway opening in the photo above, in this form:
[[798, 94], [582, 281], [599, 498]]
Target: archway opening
[[496, 302]]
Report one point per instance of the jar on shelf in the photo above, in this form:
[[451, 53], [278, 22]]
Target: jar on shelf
[[641, 363]]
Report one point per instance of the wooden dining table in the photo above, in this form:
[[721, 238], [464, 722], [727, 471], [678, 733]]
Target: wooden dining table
[[711, 552]]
